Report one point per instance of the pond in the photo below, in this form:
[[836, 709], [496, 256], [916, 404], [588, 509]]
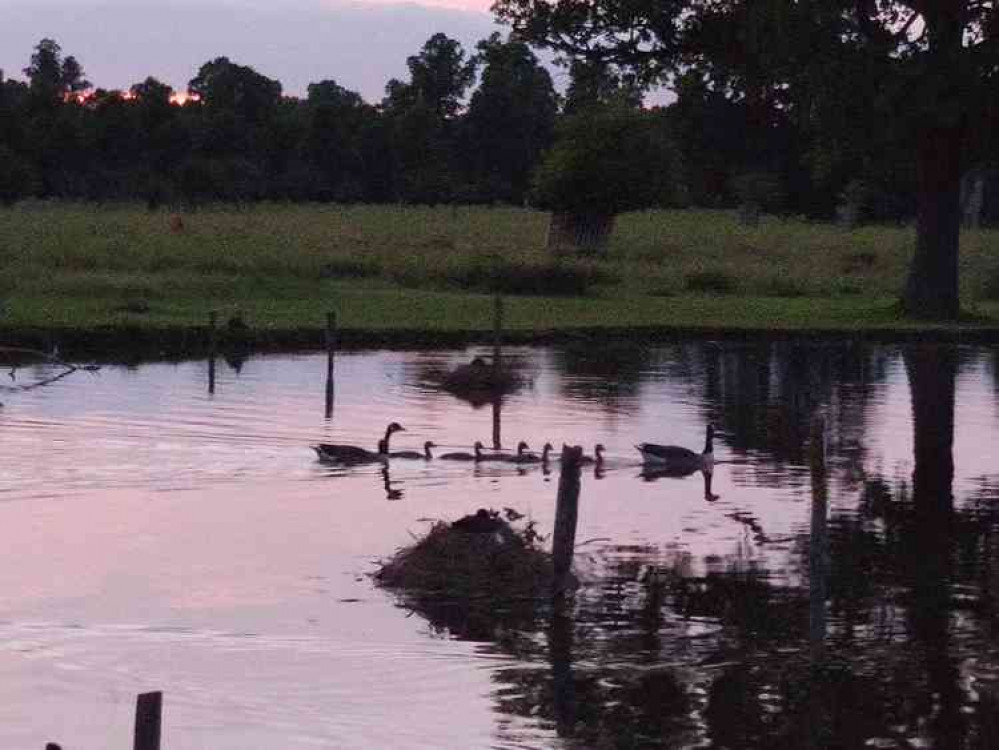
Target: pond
[[155, 536]]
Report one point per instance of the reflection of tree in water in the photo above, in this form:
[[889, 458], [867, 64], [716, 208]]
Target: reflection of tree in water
[[604, 372], [766, 393], [722, 652]]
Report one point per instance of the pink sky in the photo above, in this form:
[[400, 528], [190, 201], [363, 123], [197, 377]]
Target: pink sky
[[359, 43], [480, 6]]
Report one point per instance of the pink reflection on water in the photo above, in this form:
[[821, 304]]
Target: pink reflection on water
[[153, 537]]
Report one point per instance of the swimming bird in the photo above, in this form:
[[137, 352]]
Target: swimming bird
[[426, 455], [674, 458], [597, 459], [461, 456], [521, 456], [354, 454], [546, 450]]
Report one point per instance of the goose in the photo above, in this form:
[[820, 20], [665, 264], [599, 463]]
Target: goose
[[353, 454], [520, 457], [597, 459], [674, 458], [546, 450], [426, 455], [460, 456]]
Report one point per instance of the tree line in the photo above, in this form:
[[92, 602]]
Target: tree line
[[464, 128], [235, 136]]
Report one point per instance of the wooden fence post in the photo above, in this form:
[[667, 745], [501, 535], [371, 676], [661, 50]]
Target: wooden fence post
[[497, 367], [330, 360], [213, 347], [148, 719], [566, 515]]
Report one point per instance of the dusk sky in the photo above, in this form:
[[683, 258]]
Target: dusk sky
[[119, 42]]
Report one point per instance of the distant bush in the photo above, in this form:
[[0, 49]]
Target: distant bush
[[606, 160], [780, 286], [348, 268], [712, 282], [549, 278], [760, 189], [990, 285]]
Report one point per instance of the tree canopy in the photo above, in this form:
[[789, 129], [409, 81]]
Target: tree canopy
[[925, 68]]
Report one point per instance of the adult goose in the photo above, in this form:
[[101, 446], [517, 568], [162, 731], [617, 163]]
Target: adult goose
[[462, 456], [426, 455], [674, 458], [354, 454]]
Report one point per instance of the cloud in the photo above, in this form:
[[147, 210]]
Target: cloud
[[297, 42]]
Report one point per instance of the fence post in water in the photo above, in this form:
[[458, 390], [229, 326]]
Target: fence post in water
[[566, 515], [497, 367], [497, 421], [213, 346], [330, 360], [148, 718]]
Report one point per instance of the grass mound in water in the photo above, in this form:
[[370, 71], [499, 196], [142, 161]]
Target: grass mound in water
[[472, 576]]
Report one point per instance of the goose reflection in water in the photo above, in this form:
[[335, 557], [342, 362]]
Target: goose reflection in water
[[655, 473], [391, 493]]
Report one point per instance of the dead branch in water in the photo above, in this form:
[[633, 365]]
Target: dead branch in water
[[68, 367]]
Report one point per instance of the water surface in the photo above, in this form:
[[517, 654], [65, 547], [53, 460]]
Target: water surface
[[154, 536]]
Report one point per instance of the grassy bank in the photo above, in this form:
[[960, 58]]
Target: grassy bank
[[384, 268]]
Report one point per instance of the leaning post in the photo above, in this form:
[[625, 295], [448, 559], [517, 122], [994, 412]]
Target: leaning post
[[566, 516]]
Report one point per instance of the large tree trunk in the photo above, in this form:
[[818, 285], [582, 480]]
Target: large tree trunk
[[932, 291]]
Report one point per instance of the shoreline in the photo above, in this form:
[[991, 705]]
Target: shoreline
[[142, 343]]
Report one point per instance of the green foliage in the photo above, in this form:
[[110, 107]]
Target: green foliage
[[510, 121], [51, 77], [759, 189], [606, 160], [551, 278], [440, 75], [710, 281], [15, 176], [990, 285], [223, 86], [71, 265]]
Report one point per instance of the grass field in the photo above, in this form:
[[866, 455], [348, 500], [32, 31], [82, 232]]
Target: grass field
[[67, 266]]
